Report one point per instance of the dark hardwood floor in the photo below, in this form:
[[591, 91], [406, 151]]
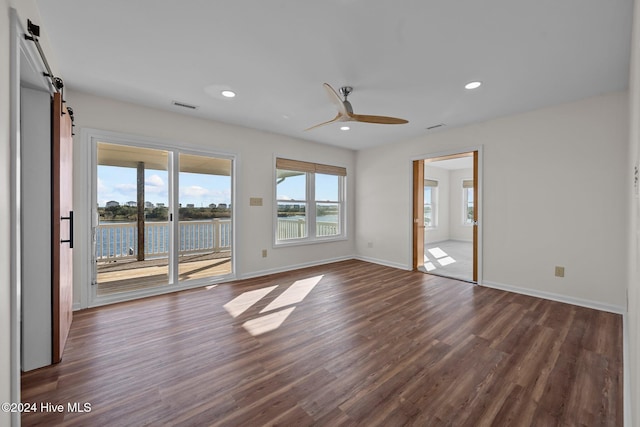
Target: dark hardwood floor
[[349, 343]]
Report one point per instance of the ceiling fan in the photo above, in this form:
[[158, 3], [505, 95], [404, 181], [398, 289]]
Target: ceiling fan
[[345, 111]]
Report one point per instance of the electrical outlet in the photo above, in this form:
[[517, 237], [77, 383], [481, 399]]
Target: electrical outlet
[[370, 244], [559, 271], [255, 201], [264, 253]]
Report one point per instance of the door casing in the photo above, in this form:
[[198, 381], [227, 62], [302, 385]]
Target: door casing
[[418, 202]]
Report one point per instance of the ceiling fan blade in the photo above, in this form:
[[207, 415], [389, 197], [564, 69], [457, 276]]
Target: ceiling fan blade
[[345, 110], [335, 98], [383, 120], [338, 118]]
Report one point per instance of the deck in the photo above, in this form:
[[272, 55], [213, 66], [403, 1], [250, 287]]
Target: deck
[[131, 275]]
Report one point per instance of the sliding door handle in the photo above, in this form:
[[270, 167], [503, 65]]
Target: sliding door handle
[[70, 219]]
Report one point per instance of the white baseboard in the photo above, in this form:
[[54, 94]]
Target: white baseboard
[[291, 267], [556, 297], [382, 262]]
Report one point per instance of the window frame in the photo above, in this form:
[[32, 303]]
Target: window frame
[[311, 204]]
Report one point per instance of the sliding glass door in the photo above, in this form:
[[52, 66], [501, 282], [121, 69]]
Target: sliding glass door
[[204, 229], [132, 233], [162, 218]]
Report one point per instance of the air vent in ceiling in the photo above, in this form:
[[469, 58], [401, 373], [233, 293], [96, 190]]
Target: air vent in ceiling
[[184, 105], [435, 126]]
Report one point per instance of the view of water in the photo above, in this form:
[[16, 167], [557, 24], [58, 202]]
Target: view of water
[[116, 238]]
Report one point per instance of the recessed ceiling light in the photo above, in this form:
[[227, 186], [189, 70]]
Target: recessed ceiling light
[[472, 85], [344, 128], [228, 93]]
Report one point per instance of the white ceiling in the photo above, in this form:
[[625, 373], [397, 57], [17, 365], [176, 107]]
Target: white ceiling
[[404, 58]]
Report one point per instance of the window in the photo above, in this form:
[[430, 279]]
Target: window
[[309, 202], [292, 204], [327, 196], [467, 204], [430, 205]]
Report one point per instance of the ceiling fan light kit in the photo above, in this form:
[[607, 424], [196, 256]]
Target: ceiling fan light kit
[[346, 114]]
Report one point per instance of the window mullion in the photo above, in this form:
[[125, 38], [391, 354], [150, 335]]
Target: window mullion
[[311, 206]]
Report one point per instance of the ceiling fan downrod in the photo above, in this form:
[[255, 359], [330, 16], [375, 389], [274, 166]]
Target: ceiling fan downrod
[[345, 91]]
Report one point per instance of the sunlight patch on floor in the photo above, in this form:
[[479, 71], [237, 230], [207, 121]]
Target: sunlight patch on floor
[[268, 322], [441, 256], [294, 294], [244, 301], [429, 266], [450, 258], [437, 252]]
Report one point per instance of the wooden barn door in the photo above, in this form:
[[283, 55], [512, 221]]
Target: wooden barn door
[[62, 222]]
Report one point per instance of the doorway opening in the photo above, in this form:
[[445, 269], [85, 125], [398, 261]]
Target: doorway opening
[[446, 201], [163, 217]]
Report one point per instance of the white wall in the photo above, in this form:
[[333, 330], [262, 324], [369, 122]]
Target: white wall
[[5, 213], [441, 232], [457, 229], [37, 345], [254, 177], [554, 187], [632, 325]]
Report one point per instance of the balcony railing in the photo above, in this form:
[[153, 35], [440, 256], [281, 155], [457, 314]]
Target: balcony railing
[[119, 240], [295, 228]]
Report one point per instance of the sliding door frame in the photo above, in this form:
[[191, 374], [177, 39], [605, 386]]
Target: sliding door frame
[[418, 214], [91, 138]]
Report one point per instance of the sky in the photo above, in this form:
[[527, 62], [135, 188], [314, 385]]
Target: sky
[[293, 188], [119, 184]]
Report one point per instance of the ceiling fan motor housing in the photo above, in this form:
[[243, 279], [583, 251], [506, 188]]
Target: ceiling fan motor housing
[[345, 91]]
